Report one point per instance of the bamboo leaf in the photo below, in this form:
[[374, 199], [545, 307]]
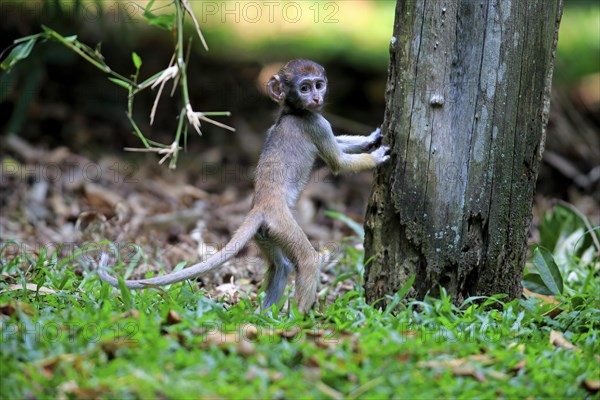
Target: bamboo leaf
[[164, 21], [137, 61], [19, 52], [121, 83]]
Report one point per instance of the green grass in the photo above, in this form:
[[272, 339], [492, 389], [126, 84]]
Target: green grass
[[69, 335]]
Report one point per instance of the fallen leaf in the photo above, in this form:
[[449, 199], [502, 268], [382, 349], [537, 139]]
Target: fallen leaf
[[293, 333], [469, 370], [557, 339], [7, 309], [313, 362], [462, 366], [501, 376], [48, 365], [100, 197], [173, 318], [249, 331], [452, 363], [32, 287], [483, 358], [593, 385], [229, 290], [111, 346], [244, 347], [520, 365], [11, 307], [547, 300]]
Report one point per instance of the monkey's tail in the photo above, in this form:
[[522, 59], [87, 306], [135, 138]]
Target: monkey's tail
[[241, 237]]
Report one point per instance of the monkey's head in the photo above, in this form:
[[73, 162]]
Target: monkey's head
[[299, 84]]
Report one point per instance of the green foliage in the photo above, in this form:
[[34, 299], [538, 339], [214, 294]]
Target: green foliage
[[573, 242], [549, 275], [355, 226], [578, 41], [77, 337], [176, 71], [20, 52], [163, 21]]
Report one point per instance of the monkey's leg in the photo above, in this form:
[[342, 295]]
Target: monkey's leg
[[278, 271], [286, 232]]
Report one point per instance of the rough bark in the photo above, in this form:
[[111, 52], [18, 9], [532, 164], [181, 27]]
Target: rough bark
[[467, 104]]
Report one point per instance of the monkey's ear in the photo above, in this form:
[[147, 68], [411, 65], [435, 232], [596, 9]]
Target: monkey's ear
[[274, 89]]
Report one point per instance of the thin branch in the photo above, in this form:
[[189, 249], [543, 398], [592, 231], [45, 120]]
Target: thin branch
[[188, 9], [203, 117]]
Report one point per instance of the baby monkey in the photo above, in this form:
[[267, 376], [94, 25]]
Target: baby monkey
[[299, 134]]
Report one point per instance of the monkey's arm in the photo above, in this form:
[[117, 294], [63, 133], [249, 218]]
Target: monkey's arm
[[331, 152], [356, 144]]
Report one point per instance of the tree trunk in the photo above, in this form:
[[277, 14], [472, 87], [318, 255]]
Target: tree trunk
[[467, 104]]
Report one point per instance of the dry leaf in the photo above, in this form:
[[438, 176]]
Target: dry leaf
[[292, 333], [100, 197], [224, 340], [8, 308], [497, 375], [461, 366], [49, 364], [249, 331], [110, 346], [483, 358], [557, 339], [469, 370], [173, 318], [520, 365], [29, 286], [229, 290], [11, 307], [593, 385], [547, 300], [452, 363]]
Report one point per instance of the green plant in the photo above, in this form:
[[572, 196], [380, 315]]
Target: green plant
[[569, 249], [176, 71], [82, 338]]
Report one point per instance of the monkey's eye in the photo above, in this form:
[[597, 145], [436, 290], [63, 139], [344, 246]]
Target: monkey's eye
[[304, 88], [319, 85]]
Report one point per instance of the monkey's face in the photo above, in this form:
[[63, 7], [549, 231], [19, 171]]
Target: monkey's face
[[309, 93]]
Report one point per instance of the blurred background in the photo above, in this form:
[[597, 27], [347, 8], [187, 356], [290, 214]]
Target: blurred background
[[66, 111]]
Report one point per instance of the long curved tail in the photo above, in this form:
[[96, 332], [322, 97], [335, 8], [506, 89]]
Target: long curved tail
[[241, 237]]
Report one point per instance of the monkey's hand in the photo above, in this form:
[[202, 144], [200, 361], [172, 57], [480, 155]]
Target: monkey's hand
[[381, 155], [375, 138]]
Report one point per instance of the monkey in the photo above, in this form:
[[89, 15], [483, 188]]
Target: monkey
[[300, 134]]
